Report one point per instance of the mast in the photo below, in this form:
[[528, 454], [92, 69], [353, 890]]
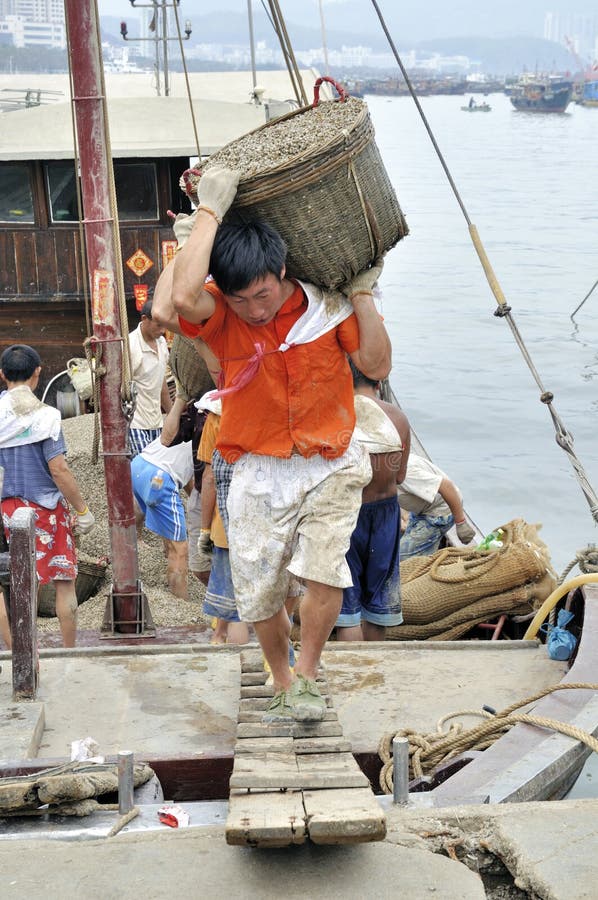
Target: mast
[[101, 243]]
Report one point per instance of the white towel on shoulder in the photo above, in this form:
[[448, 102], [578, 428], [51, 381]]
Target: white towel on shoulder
[[26, 420], [373, 428]]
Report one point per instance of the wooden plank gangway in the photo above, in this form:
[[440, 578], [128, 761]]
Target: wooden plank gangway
[[297, 781]]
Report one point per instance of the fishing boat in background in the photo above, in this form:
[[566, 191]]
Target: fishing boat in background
[[542, 93], [589, 94]]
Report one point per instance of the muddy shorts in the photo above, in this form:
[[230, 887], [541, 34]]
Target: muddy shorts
[[292, 517], [373, 558], [55, 554]]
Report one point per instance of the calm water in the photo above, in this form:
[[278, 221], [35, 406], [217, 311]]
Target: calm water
[[530, 185]]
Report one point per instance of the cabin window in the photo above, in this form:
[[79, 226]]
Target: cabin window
[[16, 197], [62, 191], [136, 190]]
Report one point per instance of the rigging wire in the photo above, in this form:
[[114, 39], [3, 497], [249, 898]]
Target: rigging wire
[[572, 316], [282, 34], [563, 438], [187, 83]]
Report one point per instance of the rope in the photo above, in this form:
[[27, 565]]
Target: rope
[[595, 285], [93, 353], [503, 310], [287, 51], [428, 751], [187, 84], [587, 560]]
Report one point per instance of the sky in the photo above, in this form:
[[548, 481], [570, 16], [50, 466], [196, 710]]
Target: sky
[[426, 19]]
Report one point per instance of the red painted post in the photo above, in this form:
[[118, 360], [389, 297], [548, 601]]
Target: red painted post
[[92, 134], [23, 604]]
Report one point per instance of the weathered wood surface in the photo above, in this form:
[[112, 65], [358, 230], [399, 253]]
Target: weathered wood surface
[[291, 779], [23, 604]]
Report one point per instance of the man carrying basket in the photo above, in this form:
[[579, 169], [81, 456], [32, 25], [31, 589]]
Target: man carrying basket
[[287, 423]]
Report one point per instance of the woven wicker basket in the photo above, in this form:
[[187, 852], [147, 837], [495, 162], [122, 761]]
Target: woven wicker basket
[[89, 580], [335, 207]]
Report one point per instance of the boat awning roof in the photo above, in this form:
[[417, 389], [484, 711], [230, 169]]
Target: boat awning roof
[[139, 127]]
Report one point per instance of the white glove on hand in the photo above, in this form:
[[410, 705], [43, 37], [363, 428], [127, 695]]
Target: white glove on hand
[[217, 189], [85, 521], [182, 227], [364, 281], [465, 532]]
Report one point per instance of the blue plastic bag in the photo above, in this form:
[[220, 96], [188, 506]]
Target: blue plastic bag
[[560, 643]]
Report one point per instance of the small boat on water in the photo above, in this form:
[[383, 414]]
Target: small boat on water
[[477, 107], [543, 94]]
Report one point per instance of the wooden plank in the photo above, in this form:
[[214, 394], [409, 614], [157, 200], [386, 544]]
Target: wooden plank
[[267, 690], [266, 820], [257, 690], [265, 744], [256, 715], [332, 769], [344, 817], [318, 729], [249, 678], [265, 770], [287, 771], [322, 745], [251, 661], [247, 704]]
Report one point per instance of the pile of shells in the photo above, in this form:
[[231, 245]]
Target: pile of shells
[[166, 609], [278, 143]]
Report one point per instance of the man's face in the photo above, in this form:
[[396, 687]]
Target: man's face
[[258, 303], [151, 329]]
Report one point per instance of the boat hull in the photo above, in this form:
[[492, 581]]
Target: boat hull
[[542, 97]]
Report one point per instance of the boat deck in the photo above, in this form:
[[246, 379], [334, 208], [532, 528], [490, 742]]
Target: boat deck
[[183, 702]]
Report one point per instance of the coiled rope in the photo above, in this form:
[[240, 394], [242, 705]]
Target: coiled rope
[[428, 751]]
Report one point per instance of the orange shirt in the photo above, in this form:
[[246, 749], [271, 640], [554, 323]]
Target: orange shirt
[[207, 443], [301, 398]]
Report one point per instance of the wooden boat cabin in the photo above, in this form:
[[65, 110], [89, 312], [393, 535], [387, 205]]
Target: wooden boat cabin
[[42, 266]]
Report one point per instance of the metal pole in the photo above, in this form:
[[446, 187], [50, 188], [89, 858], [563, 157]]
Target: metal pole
[[157, 40], [100, 239], [126, 783], [400, 770], [165, 42], [251, 42]]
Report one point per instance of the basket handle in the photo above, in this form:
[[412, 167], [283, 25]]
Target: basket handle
[[342, 93]]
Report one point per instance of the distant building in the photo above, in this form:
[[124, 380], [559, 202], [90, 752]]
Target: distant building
[[580, 30], [32, 23]]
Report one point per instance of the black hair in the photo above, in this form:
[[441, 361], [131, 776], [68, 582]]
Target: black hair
[[242, 253], [146, 309], [359, 377], [19, 362]]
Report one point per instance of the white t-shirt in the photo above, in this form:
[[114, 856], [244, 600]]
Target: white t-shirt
[[177, 460], [418, 493], [148, 368]]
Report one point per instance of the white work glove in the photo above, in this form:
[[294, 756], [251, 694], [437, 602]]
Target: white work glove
[[182, 227], [465, 532], [364, 281], [85, 521], [217, 189]]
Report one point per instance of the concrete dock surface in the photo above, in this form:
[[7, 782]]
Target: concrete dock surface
[[539, 850]]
